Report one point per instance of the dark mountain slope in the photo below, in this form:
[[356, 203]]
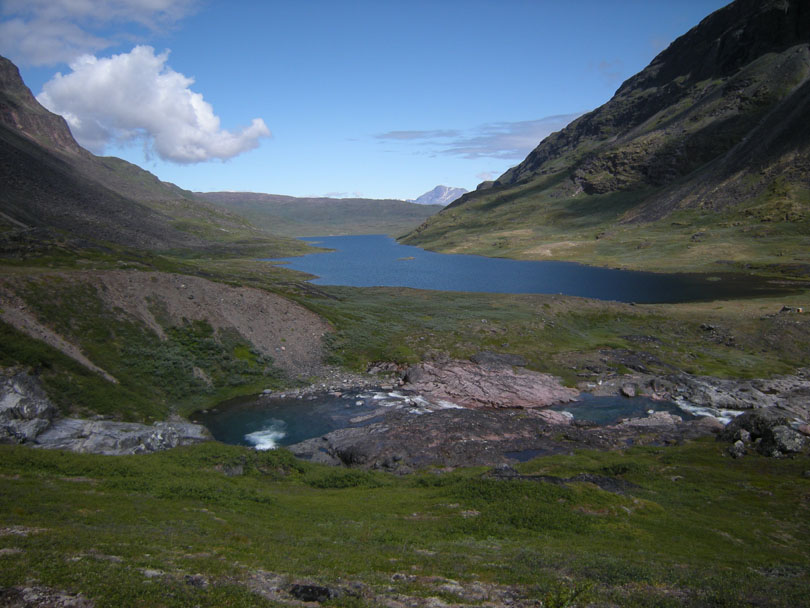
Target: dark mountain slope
[[717, 123], [41, 189], [725, 75], [49, 181]]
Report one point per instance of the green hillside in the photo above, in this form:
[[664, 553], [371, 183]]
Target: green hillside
[[701, 160], [295, 216]]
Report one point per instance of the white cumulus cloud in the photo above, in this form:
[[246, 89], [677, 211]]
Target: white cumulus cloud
[[136, 96]]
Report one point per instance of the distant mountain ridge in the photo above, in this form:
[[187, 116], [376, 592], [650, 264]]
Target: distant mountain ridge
[[322, 216], [716, 124], [440, 195]]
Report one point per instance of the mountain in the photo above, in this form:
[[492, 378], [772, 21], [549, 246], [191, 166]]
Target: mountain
[[293, 216], [702, 156], [440, 195], [52, 184]]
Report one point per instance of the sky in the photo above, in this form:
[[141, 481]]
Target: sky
[[376, 99]]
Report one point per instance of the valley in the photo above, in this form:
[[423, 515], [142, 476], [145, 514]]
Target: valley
[[293, 216], [130, 307]]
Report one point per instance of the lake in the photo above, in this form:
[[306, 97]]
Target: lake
[[379, 261]]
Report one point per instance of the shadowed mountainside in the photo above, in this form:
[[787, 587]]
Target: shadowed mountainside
[[52, 183], [712, 135]]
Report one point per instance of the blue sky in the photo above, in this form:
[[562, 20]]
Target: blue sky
[[382, 99]]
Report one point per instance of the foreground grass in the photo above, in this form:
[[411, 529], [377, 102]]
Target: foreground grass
[[700, 529]]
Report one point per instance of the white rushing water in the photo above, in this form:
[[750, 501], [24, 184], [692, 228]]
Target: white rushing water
[[268, 438], [724, 416]]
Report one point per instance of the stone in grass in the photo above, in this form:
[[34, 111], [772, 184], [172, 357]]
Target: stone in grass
[[781, 440], [737, 449], [756, 423], [314, 593], [196, 580]]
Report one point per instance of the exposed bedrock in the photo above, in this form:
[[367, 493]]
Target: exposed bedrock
[[791, 393], [27, 416], [402, 442], [504, 417], [491, 385]]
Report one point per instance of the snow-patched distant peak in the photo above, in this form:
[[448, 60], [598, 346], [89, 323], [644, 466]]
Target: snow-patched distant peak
[[440, 195]]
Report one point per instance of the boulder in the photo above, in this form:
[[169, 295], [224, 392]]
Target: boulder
[[780, 441], [656, 420], [737, 449], [755, 422], [629, 389]]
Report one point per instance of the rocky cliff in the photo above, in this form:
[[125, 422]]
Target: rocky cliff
[[21, 111]]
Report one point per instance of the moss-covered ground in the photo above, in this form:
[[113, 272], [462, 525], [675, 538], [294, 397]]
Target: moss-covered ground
[[699, 530]]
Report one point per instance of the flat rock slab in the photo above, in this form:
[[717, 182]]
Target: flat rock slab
[[486, 386]]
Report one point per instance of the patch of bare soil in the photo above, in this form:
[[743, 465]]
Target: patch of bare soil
[[14, 312], [286, 331]]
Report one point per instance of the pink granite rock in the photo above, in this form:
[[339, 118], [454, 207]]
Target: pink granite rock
[[476, 386]]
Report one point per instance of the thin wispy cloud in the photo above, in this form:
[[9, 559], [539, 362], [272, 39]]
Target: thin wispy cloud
[[501, 140], [136, 96], [50, 32], [341, 195], [417, 135]]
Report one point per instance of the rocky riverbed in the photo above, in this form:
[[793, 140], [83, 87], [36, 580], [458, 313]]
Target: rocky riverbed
[[489, 412], [501, 422]]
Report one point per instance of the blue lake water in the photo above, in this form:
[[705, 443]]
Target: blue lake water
[[379, 261]]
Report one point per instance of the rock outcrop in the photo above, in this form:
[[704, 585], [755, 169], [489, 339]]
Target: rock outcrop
[[116, 438], [402, 442], [25, 410], [789, 393], [27, 416], [766, 430], [491, 385]]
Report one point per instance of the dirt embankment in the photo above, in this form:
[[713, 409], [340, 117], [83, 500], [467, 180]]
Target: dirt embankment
[[286, 331]]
